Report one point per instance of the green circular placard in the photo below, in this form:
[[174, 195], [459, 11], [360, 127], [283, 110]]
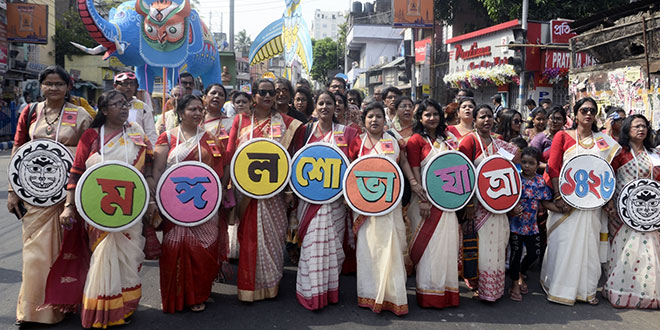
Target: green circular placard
[[112, 196]]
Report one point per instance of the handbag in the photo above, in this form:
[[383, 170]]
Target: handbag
[[470, 251]]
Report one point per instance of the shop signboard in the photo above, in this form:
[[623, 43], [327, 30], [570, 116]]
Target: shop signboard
[[560, 31], [413, 13], [27, 22]]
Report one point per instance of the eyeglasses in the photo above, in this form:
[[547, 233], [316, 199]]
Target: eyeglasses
[[405, 106], [125, 76], [517, 121], [58, 84], [119, 104], [187, 83], [586, 110], [640, 127], [557, 119], [264, 92]]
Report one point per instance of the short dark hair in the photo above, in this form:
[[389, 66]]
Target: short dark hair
[[532, 152], [182, 103], [186, 75], [55, 69], [467, 92], [559, 110], [304, 82], [497, 98], [339, 79], [357, 93], [477, 108], [236, 94], [530, 102], [208, 89], [392, 89], [546, 101], [103, 102], [256, 83], [310, 100], [372, 106]]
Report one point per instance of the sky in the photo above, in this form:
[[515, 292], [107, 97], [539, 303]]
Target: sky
[[255, 15]]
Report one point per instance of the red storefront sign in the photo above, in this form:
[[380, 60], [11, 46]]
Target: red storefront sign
[[473, 52], [420, 49], [560, 32], [561, 59]]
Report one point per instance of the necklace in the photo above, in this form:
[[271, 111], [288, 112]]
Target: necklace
[[585, 146], [49, 128]]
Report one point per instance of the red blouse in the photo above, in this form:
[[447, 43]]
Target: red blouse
[[560, 143]]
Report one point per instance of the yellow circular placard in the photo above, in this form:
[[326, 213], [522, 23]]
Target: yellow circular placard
[[260, 168]]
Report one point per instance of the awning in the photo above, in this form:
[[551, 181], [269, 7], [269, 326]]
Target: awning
[[88, 84]]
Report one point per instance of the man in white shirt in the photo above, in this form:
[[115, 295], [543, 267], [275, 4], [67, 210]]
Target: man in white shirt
[[140, 112]]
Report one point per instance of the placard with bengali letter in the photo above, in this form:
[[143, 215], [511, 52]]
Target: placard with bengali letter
[[112, 196], [317, 170], [373, 185], [498, 184], [449, 180], [260, 168]]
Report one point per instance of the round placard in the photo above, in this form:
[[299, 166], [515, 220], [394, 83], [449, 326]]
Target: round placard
[[373, 185], [112, 196], [189, 193], [449, 179], [260, 168], [317, 170], [39, 171], [587, 182], [639, 205], [498, 184]]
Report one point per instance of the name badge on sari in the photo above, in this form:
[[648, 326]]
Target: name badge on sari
[[373, 185], [222, 132], [214, 148], [499, 184], [260, 168], [602, 144], [340, 139], [587, 182], [317, 173], [387, 145], [449, 180], [189, 193], [112, 196], [137, 139], [505, 153], [70, 117], [138, 106], [277, 130]]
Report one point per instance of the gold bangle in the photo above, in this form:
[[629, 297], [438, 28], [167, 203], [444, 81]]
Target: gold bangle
[[413, 182], [469, 205], [557, 197]]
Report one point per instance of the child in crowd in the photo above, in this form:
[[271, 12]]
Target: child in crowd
[[523, 226]]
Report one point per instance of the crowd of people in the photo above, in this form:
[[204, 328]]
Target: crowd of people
[[415, 238]]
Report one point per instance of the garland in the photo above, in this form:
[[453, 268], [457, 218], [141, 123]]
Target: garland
[[498, 75], [554, 75]]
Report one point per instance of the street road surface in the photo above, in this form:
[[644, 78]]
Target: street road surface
[[284, 312]]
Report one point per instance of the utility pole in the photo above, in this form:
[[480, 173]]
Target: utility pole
[[231, 25], [522, 91], [413, 69]]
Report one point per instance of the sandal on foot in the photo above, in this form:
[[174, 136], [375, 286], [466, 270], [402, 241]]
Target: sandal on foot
[[523, 287], [515, 296], [198, 308], [594, 301]]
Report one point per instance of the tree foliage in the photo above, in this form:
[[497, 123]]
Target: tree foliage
[[70, 28], [242, 43], [544, 10], [327, 57]]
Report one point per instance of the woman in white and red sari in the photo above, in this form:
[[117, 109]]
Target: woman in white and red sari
[[571, 266], [113, 287], [434, 245], [217, 123], [263, 223], [381, 272], [322, 227], [189, 262], [492, 229], [633, 277]]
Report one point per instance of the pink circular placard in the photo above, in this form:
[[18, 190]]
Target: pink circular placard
[[189, 193]]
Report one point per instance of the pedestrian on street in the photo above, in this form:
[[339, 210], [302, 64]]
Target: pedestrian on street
[[42, 231], [113, 287]]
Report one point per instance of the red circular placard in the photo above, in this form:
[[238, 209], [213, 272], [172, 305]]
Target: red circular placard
[[498, 184]]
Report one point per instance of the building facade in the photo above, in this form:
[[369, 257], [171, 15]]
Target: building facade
[[326, 24]]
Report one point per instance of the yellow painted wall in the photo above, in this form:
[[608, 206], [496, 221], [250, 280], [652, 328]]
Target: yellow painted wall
[[91, 67]]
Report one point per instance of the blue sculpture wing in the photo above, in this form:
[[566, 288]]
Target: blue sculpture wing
[[304, 50], [196, 43], [267, 44]]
